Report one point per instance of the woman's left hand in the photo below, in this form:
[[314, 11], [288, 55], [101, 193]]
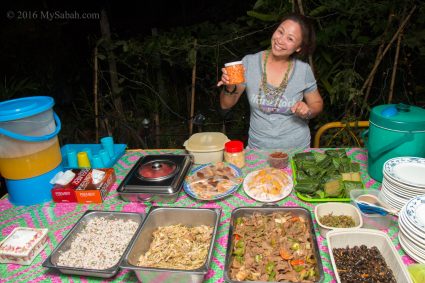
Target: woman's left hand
[[301, 109]]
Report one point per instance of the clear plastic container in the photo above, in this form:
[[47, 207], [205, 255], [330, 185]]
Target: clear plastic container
[[372, 221], [417, 272], [278, 159], [234, 153]]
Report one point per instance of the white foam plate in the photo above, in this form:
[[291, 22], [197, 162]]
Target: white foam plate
[[264, 197]]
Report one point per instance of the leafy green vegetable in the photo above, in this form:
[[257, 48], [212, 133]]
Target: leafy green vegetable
[[351, 185], [334, 188], [328, 174], [307, 186], [318, 156]]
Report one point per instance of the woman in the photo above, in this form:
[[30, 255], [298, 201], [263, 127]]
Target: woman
[[282, 91]]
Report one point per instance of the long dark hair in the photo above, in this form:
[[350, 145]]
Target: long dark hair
[[308, 43]]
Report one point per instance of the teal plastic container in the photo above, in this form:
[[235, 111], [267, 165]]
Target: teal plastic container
[[394, 131]]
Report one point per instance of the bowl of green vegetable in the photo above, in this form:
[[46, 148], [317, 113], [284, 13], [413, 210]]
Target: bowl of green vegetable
[[337, 216]]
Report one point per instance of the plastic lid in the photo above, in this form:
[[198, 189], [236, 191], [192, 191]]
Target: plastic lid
[[401, 117], [233, 146], [205, 142], [24, 107], [233, 63]]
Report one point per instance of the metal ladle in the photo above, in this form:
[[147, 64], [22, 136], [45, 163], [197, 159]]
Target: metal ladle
[[371, 204]]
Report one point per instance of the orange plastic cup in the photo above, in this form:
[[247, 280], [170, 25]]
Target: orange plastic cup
[[235, 72]]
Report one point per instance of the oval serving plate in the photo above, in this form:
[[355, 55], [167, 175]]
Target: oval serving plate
[[268, 187], [206, 182]]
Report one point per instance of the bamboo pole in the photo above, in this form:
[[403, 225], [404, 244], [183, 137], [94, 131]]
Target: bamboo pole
[[381, 47], [379, 59], [310, 57], [397, 52], [192, 100], [95, 88]]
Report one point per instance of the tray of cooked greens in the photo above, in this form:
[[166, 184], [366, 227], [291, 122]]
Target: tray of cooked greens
[[325, 176]]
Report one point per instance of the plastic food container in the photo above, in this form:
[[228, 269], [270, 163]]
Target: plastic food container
[[369, 238], [164, 216], [22, 245], [278, 159], [371, 221], [417, 272], [207, 147], [234, 153], [235, 71], [336, 209]]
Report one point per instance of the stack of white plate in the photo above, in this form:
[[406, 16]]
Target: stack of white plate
[[404, 179], [411, 222]]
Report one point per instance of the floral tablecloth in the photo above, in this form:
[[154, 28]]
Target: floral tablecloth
[[59, 219]]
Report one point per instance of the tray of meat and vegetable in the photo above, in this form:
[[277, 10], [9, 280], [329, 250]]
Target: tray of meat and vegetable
[[272, 244], [327, 176]]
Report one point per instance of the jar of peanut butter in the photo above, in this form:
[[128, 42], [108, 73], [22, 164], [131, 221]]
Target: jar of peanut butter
[[234, 153]]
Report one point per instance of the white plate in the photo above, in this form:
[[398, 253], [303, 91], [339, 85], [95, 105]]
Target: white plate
[[407, 170], [237, 182], [401, 190], [409, 251], [263, 196], [414, 245], [388, 180], [415, 212], [410, 233]]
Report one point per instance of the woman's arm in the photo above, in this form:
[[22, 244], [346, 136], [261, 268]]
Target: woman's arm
[[229, 99], [312, 106], [229, 94]]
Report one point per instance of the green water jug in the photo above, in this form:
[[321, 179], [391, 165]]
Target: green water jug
[[394, 131]]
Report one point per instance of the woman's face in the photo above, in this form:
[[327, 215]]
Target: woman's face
[[287, 39]]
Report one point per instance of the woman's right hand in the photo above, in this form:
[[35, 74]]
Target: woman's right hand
[[224, 78]]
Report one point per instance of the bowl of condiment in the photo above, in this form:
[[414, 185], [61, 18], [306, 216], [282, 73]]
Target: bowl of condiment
[[278, 159], [337, 216]]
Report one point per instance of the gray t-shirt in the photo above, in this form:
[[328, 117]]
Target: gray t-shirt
[[280, 129]]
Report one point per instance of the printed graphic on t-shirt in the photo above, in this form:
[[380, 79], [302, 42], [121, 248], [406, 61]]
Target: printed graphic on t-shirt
[[272, 104]]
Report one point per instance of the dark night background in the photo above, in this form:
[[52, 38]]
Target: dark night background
[[58, 53], [29, 45]]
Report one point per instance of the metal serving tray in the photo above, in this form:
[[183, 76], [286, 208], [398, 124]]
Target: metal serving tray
[[51, 261], [163, 216], [247, 211]]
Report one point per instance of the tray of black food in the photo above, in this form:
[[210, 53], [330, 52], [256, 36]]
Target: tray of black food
[[365, 255]]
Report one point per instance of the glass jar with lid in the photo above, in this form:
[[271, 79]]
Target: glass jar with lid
[[234, 153]]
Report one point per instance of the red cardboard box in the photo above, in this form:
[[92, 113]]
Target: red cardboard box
[[95, 186], [87, 186], [66, 192]]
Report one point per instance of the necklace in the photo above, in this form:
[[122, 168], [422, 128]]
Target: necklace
[[273, 96]]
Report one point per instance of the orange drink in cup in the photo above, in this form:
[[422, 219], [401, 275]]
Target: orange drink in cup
[[235, 72]]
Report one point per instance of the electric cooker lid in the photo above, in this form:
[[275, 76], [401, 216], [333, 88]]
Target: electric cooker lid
[[157, 170]]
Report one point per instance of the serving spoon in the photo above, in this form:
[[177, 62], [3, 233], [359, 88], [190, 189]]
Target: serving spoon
[[371, 204]]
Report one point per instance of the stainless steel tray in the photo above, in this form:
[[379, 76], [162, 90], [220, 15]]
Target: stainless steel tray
[[247, 211], [51, 261], [163, 216]]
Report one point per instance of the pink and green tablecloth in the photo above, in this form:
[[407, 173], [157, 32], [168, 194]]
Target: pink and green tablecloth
[[59, 219]]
